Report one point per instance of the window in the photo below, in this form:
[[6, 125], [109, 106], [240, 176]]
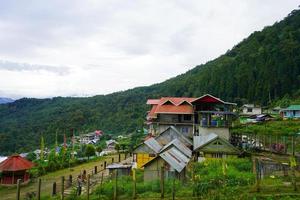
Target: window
[[185, 129], [217, 155], [217, 143], [187, 117], [249, 109]]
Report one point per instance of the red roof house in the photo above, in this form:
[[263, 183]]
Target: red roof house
[[13, 168]]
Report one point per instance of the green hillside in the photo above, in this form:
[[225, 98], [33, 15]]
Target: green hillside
[[262, 68]]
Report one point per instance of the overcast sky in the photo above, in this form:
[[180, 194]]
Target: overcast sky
[[82, 48]]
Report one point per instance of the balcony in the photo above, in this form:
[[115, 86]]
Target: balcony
[[214, 118]]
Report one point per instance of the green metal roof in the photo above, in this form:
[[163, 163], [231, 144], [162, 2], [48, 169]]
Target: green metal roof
[[293, 107]]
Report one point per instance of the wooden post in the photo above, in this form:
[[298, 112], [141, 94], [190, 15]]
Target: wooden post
[[162, 184], [39, 189], [257, 169], [88, 186], [173, 189], [112, 160], [104, 164], [293, 145], [134, 184], [116, 185], [62, 188], [96, 170], [101, 182], [18, 189], [119, 157], [54, 189], [193, 179], [70, 180], [264, 142]]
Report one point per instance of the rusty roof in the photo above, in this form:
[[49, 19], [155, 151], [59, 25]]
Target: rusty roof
[[15, 163]]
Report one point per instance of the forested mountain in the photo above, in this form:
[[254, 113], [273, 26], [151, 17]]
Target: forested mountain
[[260, 69]]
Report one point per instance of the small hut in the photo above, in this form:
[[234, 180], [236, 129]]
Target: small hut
[[13, 168], [122, 169]]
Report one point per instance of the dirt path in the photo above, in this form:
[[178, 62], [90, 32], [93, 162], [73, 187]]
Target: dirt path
[[9, 193]]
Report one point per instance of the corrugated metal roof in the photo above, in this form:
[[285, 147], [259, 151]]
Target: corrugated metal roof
[[153, 144], [203, 139], [293, 107], [175, 159], [177, 143], [118, 166]]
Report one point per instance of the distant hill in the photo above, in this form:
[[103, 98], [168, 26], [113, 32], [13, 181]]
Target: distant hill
[[260, 69], [4, 100]]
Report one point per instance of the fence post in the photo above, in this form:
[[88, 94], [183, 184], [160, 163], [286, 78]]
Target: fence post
[[104, 164], [96, 170], [119, 157], [162, 184], [18, 189], [101, 182], [193, 180], [39, 189], [256, 168], [112, 160], [70, 180], [88, 186], [62, 188], [54, 189], [134, 183], [173, 189], [116, 185]]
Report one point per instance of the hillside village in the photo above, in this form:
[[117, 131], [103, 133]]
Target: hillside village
[[227, 129], [180, 131]]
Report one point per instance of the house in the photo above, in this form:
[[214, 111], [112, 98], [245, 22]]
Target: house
[[152, 146], [146, 151], [110, 145], [251, 109], [212, 145], [13, 168], [173, 159], [291, 112], [190, 115], [90, 138]]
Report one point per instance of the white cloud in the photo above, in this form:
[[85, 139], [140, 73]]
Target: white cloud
[[107, 46]]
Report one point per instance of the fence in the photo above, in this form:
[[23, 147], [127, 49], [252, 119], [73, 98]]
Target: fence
[[101, 183], [286, 144], [67, 183], [162, 184], [271, 175]]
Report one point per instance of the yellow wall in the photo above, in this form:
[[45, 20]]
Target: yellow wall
[[143, 158]]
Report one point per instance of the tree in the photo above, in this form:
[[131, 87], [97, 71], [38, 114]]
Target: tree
[[89, 151], [117, 147], [99, 149], [31, 156]]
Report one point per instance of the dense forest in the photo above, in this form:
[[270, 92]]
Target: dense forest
[[262, 68]]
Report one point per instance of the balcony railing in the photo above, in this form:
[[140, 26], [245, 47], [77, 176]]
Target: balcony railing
[[214, 123]]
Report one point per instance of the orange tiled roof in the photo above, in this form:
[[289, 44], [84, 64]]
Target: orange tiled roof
[[172, 105]]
